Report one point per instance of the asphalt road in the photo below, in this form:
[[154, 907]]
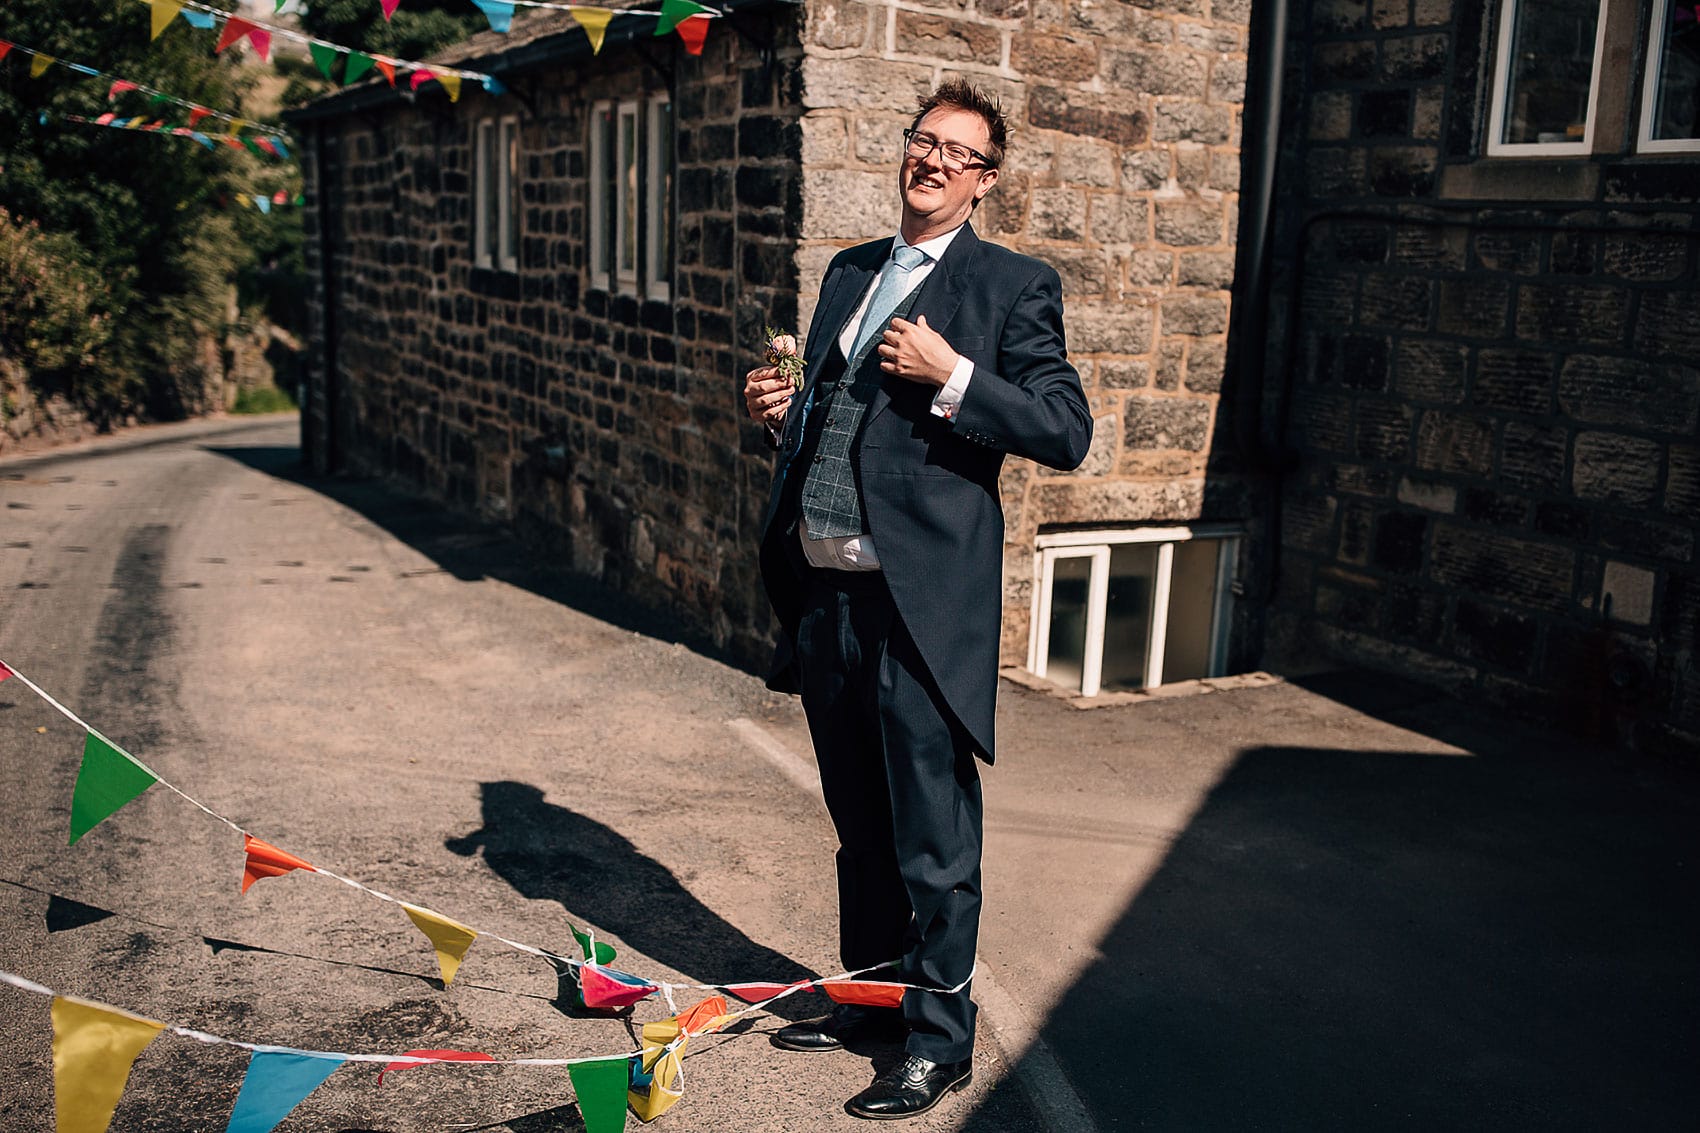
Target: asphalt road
[[1330, 904]]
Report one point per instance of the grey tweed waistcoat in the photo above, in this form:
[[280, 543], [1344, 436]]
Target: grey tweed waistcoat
[[832, 502]]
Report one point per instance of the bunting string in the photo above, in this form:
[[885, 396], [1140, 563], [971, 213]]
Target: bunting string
[[272, 147], [110, 778], [197, 111]]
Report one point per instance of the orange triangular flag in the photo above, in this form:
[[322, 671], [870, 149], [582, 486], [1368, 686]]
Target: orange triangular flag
[[693, 31], [164, 11], [387, 68], [594, 21], [93, 1049], [266, 860]]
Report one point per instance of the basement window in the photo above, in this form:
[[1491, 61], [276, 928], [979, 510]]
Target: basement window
[[1670, 99], [496, 194], [1546, 77], [1117, 611]]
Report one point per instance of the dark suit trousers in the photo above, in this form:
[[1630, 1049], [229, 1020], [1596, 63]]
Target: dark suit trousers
[[903, 790]]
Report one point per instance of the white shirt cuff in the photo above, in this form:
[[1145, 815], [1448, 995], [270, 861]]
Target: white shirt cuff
[[950, 395]]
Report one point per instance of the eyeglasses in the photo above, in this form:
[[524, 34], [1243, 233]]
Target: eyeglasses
[[954, 156]]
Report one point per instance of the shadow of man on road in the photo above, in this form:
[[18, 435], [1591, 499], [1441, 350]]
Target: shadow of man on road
[[603, 882]]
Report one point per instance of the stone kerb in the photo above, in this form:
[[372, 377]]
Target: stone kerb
[[1123, 174]]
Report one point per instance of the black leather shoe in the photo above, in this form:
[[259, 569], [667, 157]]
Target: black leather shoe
[[911, 1087], [848, 1023]]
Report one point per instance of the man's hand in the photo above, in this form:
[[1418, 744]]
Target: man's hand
[[767, 394], [917, 352]]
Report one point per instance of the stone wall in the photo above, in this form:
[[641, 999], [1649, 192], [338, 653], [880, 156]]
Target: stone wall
[[1493, 392], [606, 427], [1122, 173]]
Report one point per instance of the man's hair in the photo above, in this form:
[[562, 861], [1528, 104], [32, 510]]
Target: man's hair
[[960, 94]]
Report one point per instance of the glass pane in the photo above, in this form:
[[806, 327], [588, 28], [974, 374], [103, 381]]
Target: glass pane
[[664, 192], [1192, 610], [604, 220], [489, 216], [510, 241], [1127, 614], [1676, 114], [1071, 582], [628, 193], [1551, 65]]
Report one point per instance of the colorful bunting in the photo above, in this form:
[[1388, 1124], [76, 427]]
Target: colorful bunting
[[693, 31], [500, 13], [450, 83], [323, 57], [276, 1083], [594, 21], [420, 78], [202, 20], [119, 86], [760, 993], [672, 11], [40, 64], [4, 48], [610, 989], [601, 1088], [107, 780], [389, 7], [451, 939], [604, 952], [93, 1050], [164, 11], [440, 1055], [4, 671], [866, 994], [656, 1077], [387, 68], [358, 64], [266, 860]]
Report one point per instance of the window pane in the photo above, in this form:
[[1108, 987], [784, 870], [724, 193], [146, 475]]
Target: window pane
[[1071, 582], [1676, 113], [1127, 614], [1551, 69], [628, 195], [489, 215], [1192, 611], [664, 191], [604, 219], [510, 234]]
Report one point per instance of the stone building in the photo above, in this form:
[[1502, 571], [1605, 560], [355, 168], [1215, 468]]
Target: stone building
[[1452, 433]]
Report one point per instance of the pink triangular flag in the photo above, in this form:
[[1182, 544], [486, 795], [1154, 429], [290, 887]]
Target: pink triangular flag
[[606, 987], [4, 671], [262, 41], [119, 88], [389, 7], [420, 78]]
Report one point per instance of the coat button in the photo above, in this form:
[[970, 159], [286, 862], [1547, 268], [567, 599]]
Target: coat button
[[820, 460]]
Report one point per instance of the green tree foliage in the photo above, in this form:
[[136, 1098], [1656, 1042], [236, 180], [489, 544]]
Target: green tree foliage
[[153, 217]]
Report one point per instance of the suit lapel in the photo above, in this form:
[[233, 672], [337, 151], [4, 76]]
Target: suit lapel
[[847, 291], [941, 295]]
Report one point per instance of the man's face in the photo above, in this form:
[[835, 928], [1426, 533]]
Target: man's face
[[935, 197]]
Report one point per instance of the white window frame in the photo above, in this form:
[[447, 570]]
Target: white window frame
[[490, 136], [1095, 545], [626, 277], [658, 206], [1502, 80], [1645, 142], [598, 163]]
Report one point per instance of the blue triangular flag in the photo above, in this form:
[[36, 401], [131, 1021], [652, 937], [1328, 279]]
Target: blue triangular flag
[[500, 13], [203, 139], [493, 85], [277, 144], [276, 1083], [202, 20], [264, 204]]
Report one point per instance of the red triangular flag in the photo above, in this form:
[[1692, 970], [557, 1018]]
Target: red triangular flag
[[119, 88], [280, 197], [197, 114], [608, 987], [233, 143], [420, 78], [387, 68], [234, 29], [693, 31], [866, 994], [266, 860], [4, 671], [105, 119], [262, 41], [758, 993], [4, 47], [442, 1055]]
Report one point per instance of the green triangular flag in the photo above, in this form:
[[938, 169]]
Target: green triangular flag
[[672, 11], [358, 65], [604, 950], [601, 1089], [107, 780], [323, 56]]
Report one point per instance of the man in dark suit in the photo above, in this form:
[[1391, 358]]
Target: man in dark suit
[[930, 357]]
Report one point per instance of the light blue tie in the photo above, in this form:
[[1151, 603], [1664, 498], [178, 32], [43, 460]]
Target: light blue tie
[[893, 286]]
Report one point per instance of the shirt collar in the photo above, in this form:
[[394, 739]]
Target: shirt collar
[[933, 249]]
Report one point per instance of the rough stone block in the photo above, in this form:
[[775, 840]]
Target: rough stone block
[[1626, 593], [1057, 214], [939, 37], [1390, 13], [1396, 301], [1205, 360], [1109, 328], [1307, 521], [1533, 456], [1193, 314], [1333, 64], [1415, 57], [1625, 391], [1509, 251], [1227, 80], [1092, 116], [1616, 468], [825, 140], [1171, 360], [1567, 314], [1167, 423], [1403, 171], [1494, 508], [837, 23], [1383, 431], [1515, 380], [1117, 502], [1004, 210], [879, 141], [1651, 258], [1426, 116], [1154, 72], [1331, 116], [1430, 370], [1363, 362], [1430, 495], [1084, 271], [1149, 269], [1220, 39], [1083, 162], [864, 84], [1206, 124], [1214, 270], [1478, 308], [1682, 483], [1144, 170], [1124, 373], [1535, 575], [1454, 442], [1053, 57], [1666, 326], [846, 204], [1189, 222]]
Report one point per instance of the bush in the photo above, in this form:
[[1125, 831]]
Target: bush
[[54, 315], [263, 399]]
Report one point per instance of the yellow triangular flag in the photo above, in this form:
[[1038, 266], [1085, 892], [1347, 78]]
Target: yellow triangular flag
[[451, 939], [164, 11], [93, 1049], [40, 64], [236, 124], [666, 1085], [450, 83], [594, 21], [242, 199]]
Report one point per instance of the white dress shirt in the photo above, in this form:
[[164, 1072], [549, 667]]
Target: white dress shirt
[[856, 552]]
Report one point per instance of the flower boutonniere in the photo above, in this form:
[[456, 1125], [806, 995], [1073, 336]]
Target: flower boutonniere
[[781, 351]]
